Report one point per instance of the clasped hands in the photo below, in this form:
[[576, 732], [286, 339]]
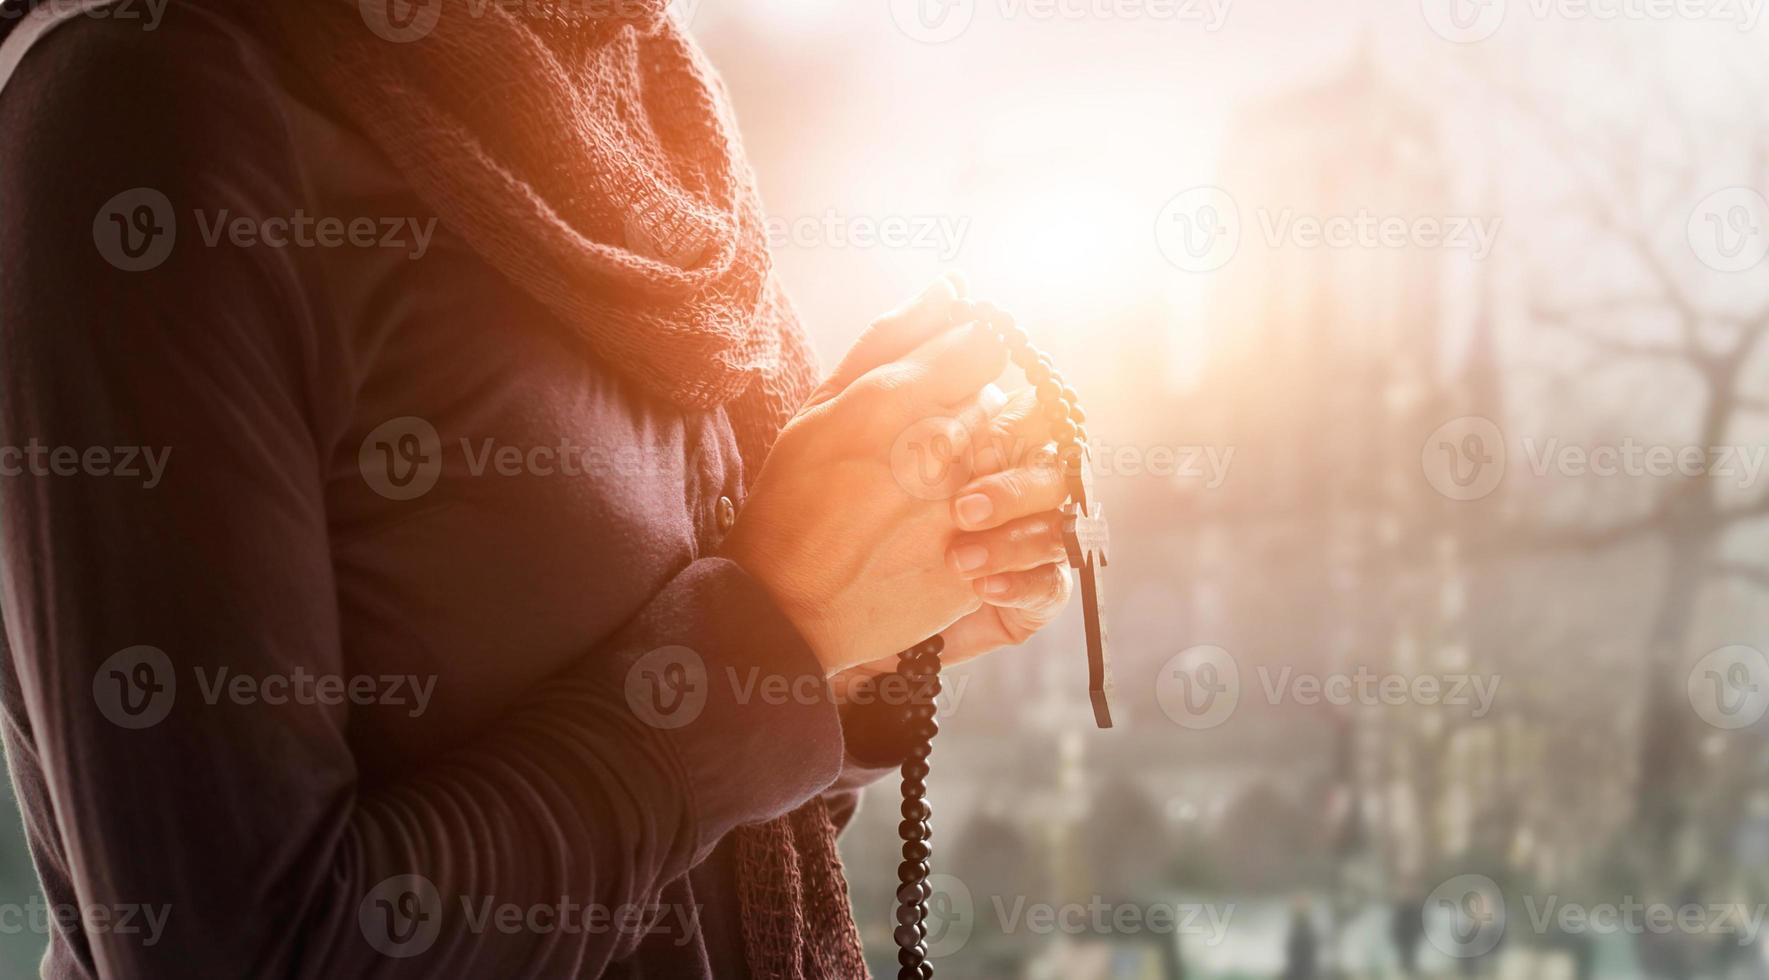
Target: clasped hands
[[910, 496]]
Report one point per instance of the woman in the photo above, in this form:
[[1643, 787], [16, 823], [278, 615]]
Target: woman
[[384, 672]]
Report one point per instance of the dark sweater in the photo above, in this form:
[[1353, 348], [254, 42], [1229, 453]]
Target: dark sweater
[[276, 824]]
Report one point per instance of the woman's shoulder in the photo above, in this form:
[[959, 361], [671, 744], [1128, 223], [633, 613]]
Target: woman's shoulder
[[186, 83], [131, 151]]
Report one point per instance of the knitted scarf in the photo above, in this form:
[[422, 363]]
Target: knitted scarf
[[586, 150]]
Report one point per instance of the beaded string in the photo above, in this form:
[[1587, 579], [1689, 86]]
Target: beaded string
[[920, 665]]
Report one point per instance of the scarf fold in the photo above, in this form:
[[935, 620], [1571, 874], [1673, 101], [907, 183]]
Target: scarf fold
[[586, 150]]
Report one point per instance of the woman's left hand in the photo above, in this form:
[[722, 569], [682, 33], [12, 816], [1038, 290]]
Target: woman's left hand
[[1009, 542]]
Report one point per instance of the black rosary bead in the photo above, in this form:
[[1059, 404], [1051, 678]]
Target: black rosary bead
[[920, 665], [912, 892]]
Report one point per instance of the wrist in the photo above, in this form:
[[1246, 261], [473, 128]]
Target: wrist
[[807, 616]]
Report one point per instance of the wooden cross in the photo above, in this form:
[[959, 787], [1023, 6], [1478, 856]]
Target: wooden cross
[[1085, 535]]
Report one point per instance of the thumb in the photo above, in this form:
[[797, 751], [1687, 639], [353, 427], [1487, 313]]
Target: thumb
[[941, 306]]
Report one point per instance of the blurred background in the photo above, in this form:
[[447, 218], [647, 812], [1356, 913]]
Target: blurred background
[[1421, 346], [1420, 342]]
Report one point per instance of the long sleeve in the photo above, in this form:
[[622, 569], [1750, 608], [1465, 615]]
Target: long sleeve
[[126, 597]]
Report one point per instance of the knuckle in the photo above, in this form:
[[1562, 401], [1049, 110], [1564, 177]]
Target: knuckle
[[892, 381], [1010, 485]]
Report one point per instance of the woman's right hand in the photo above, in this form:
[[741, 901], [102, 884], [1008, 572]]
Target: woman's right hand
[[848, 523]]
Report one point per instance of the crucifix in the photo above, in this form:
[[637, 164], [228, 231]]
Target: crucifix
[[1086, 537]]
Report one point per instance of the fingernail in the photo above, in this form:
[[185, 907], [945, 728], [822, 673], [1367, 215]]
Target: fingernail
[[995, 585], [993, 398], [974, 508], [970, 557]]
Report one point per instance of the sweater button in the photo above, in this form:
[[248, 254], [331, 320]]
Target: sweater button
[[727, 514]]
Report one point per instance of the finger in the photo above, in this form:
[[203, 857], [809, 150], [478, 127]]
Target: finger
[[891, 337], [1018, 431], [931, 456], [978, 417], [952, 367], [1014, 547], [998, 498], [1046, 587]]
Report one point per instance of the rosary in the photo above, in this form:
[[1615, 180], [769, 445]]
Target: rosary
[[1084, 534]]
